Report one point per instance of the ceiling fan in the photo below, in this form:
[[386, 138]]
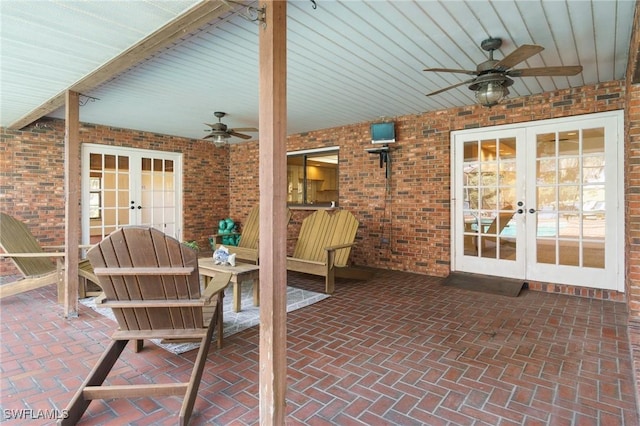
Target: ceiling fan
[[220, 132], [492, 77]]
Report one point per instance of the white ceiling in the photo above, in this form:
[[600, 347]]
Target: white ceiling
[[348, 61]]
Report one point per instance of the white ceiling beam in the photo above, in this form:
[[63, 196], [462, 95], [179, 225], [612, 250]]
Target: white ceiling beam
[[198, 16]]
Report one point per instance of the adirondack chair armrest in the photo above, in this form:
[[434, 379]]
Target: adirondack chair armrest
[[215, 237], [27, 255], [339, 246], [216, 285], [224, 235]]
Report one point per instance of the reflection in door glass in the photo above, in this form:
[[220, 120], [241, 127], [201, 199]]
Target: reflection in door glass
[[158, 194], [114, 194], [570, 211], [489, 198]]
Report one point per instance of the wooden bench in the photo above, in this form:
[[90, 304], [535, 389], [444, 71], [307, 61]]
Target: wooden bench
[[247, 248], [323, 247]]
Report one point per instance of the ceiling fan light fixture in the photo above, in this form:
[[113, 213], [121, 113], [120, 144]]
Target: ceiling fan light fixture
[[491, 93], [219, 140]]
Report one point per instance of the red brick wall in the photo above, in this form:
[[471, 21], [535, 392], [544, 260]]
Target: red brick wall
[[32, 177], [632, 176], [632, 201], [415, 214]]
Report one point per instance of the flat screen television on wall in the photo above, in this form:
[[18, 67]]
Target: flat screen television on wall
[[383, 132]]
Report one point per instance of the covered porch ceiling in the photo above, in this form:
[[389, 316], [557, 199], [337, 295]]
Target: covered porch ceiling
[[348, 61]]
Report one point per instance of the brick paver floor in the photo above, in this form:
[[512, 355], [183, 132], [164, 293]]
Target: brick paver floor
[[399, 349]]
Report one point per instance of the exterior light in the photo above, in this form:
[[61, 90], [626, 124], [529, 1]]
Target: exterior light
[[219, 140], [490, 94], [491, 88]]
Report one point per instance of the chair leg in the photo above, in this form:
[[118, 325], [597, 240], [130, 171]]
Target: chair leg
[[82, 287], [196, 374], [330, 280], [79, 404]]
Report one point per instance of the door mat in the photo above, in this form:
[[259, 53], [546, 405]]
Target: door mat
[[485, 283]]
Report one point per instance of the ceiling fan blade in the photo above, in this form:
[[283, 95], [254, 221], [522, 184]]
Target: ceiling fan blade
[[239, 135], [451, 87], [208, 136], [469, 72], [244, 129], [522, 53], [546, 71]]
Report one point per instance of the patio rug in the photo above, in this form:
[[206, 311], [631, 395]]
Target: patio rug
[[484, 283], [234, 322]]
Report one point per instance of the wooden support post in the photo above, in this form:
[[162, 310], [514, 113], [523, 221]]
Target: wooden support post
[[72, 202], [273, 225]]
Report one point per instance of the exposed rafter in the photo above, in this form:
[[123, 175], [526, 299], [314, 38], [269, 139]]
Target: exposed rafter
[[198, 16]]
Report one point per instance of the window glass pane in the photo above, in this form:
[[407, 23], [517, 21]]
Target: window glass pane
[[568, 143], [123, 163], [546, 145], [313, 179], [94, 205]]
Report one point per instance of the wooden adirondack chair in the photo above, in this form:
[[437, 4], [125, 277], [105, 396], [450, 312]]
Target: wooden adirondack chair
[[151, 282], [247, 248], [324, 245], [34, 262]]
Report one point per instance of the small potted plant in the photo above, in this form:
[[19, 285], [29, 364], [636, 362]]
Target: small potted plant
[[192, 244]]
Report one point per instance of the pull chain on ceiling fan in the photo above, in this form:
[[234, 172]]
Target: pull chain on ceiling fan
[[492, 77], [220, 132]]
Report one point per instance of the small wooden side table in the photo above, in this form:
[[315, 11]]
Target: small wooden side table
[[239, 273]]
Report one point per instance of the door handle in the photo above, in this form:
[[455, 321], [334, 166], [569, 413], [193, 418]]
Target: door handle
[[520, 211], [532, 210]]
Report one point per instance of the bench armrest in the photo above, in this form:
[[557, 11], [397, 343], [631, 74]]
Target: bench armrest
[[339, 246]]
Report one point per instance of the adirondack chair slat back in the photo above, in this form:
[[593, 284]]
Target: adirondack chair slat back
[[148, 247], [320, 230], [345, 226], [15, 237], [251, 230]]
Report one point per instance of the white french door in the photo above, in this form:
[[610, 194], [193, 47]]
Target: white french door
[[541, 201], [126, 186]]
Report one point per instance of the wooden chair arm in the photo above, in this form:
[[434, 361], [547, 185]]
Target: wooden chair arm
[[217, 284], [224, 235], [27, 255], [339, 246], [219, 236]]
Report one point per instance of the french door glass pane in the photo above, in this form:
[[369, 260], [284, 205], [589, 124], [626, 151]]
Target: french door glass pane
[[158, 194], [489, 198], [113, 171], [570, 211]]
